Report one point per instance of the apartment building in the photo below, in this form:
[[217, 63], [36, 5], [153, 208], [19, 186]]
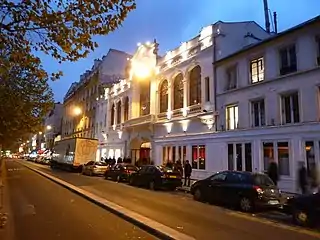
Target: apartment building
[[268, 100], [80, 102], [52, 125]]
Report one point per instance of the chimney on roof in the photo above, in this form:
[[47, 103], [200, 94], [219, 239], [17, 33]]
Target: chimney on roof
[[266, 15], [275, 22]]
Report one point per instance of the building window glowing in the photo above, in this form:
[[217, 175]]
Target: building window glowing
[[232, 115], [119, 112], [178, 92], [126, 109], [164, 96], [112, 115], [145, 98], [199, 157], [195, 85], [257, 70]]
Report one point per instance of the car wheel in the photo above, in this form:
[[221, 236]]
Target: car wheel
[[246, 204], [197, 195], [301, 218], [83, 171], [152, 185]]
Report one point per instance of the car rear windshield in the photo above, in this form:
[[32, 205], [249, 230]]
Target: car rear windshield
[[166, 169], [100, 164], [130, 167], [263, 180]]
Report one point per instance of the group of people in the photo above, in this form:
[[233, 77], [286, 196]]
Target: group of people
[[308, 180]]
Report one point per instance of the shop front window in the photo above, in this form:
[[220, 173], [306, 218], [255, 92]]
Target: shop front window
[[239, 156], [199, 157], [248, 157], [268, 154], [230, 157], [283, 158], [310, 157], [194, 157]]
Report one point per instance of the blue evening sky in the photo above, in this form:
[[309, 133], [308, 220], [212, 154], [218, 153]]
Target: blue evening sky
[[175, 21]]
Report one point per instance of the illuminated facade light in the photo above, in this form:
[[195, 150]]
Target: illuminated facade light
[[185, 111], [114, 127], [168, 127], [185, 124], [120, 134], [77, 111], [169, 114]]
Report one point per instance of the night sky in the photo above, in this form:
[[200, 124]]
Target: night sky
[[174, 21]]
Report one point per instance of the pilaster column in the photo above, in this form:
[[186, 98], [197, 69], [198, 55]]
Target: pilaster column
[[170, 96], [115, 113], [122, 110], [185, 93]]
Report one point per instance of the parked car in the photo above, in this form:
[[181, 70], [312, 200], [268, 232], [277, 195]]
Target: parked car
[[121, 172], [156, 177], [249, 191], [305, 209], [94, 168]]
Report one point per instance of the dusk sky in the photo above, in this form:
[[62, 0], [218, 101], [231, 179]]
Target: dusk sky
[[174, 21]]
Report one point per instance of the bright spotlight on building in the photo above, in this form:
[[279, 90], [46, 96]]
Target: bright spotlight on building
[[77, 111]]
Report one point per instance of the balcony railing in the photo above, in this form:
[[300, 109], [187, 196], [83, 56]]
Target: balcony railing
[[195, 109], [140, 120], [162, 116]]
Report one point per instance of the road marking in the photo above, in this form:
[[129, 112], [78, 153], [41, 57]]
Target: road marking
[[153, 227], [275, 224]]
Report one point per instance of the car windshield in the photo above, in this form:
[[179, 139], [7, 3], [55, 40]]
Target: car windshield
[[263, 180]]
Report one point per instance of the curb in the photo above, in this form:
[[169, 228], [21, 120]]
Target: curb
[[152, 227]]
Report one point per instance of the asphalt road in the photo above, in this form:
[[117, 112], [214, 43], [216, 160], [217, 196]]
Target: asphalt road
[[42, 209], [178, 211]]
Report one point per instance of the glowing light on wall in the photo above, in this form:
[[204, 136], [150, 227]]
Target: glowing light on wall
[[114, 127], [185, 125], [168, 127], [120, 134]]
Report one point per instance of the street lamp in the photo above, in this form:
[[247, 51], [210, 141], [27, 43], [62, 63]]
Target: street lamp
[[49, 127]]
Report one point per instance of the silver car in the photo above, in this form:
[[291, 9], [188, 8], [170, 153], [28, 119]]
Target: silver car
[[94, 168]]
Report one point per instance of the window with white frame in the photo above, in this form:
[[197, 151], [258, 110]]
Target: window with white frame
[[290, 108], [257, 70], [288, 60], [258, 113], [231, 78], [232, 116]]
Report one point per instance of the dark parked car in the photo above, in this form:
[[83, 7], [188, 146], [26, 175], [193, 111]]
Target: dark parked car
[[248, 191], [305, 209], [121, 172], [156, 177]]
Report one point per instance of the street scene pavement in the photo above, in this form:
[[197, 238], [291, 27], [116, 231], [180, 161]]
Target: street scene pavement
[[41, 209], [176, 210]]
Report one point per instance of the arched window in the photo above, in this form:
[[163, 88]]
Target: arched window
[[112, 115], [163, 96], [119, 112], [178, 92], [195, 85], [126, 109]]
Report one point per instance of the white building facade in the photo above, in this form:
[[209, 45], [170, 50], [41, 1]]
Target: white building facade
[[268, 101], [157, 113]]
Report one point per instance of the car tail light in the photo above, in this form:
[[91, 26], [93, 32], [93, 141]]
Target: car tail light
[[258, 189]]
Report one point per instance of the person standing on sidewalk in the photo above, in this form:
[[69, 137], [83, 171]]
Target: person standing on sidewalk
[[303, 178], [187, 173], [273, 172]]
